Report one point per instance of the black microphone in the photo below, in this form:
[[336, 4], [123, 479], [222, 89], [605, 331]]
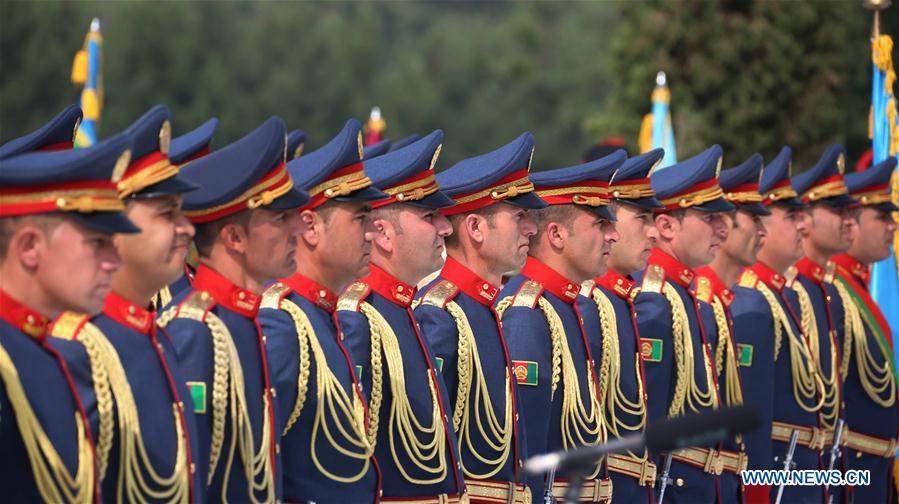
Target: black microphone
[[700, 429]]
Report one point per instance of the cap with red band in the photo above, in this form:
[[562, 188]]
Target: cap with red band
[[824, 182], [741, 185], [57, 134], [407, 175], [194, 144], [692, 183], [585, 184], [871, 186]]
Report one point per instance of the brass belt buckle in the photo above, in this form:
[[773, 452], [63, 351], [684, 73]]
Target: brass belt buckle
[[647, 473], [714, 464], [816, 442], [602, 490]]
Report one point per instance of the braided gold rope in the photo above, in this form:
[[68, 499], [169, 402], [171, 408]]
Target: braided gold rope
[[829, 385], [733, 391], [303, 329], [555, 342], [105, 406], [686, 391], [53, 480]]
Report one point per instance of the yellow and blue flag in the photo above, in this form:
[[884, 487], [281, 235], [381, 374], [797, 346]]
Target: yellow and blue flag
[[656, 130], [87, 71]]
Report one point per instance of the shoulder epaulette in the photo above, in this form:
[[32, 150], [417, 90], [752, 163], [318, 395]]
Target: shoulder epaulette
[[273, 295], [353, 296], [748, 279], [528, 294], [440, 294], [791, 274], [587, 288], [195, 305], [830, 271], [703, 289], [68, 325], [653, 280]]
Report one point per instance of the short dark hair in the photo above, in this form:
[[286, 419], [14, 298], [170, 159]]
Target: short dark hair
[[390, 213], [9, 225], [563, 214], [208, 232], [487, 212], [678, 214]]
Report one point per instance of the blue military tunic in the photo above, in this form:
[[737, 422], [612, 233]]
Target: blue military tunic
[[219, 345], [416, 445], [609, 309], [552, 363], [869, 386], [671, 390], [321, 406], [144, 393], [39, 393], [477, 372]]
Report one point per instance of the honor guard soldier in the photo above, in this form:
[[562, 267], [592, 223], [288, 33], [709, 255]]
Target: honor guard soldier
[[674, 325], [56, 135], [246, 221], [326, 453], [296, 141], [610, 323], [408, 411], [869, 380], [715, 285], [829, 232], [490, 237], [182, 150], [58, 211], [145, 437], [775, 362], [542, 323]]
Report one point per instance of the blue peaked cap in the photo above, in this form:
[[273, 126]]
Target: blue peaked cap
[[872, 185], [193, 144], [99, 162], [60, 130], [637, 168], [678, 179], [812, 186], [296, 141], [775, 185], [229, 172], [402, 142], [396, 168], [598, 170], [148, 134], [747, 172], [375, 150]]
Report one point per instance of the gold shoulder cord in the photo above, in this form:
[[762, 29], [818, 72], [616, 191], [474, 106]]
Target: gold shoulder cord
[[429, 456], [725, 356], [687, 393], [579, 427], [877, 380], [807, 382], [134, 463], [346, 413], [830, 397], [497, 435], [53, 480], [228, 389]]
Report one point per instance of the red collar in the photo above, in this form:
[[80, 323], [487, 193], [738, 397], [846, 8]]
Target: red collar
[[469, 282], [551, 280], [226, 293], [128, 314], [312, 291], [389, 287], [621, 285], [770, 277], [22, 317], [717, 286], [674, 270], [852, 266], [811, 269]]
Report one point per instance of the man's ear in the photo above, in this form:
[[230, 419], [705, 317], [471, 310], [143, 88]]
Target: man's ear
[[474, 226], [313, 227], [234, 237], [27, 246], [667, 225], [385, 233], [556, 235]]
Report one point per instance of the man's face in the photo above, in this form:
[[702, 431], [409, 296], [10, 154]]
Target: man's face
[[271, 243], [786, 226], [160, 249], [419, 243], [872, 235], [698, 236], [75, 267], [829, 229], [637, 235], [345, 240], [506, 237], [589, 243], [744, 238]]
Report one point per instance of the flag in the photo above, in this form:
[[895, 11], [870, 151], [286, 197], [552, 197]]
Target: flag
[[87, 71], [656, 130], [374, 127]]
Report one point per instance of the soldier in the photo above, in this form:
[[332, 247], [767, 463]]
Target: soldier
[[145, 438], [246, 221], [608, 311], [828, 233], [326, 453], [868, 372], [542, 323], [58, 212], [490, 237], [296, 141], [715, 286], [408, 424], [58, 134], [675, 327]]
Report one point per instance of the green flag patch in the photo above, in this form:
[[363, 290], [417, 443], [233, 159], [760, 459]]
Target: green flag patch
[[198, 394], [525, 372], [359, 373], [744, 354], [439, 363], [651, 349]]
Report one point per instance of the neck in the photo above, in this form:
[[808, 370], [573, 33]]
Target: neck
[[859, 255], [666, 247], [778, 264], [232, 267], [397, 271], [132, 286], [814, 253], [728, 270], [556, 261], [476, 263], [314, 270], [24, 288]]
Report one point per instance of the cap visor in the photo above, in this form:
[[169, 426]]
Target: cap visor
[[294, 198], [838, 201], [647, 203], [366, 194], [886, 207], [173, 185], [754, 208], [108, 222], [790, 202], [716, 205], [436, 200], [603, 211], [527, 200]]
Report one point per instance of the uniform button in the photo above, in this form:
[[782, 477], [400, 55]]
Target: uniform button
[[679, 482], [181, 405], [159, 346], [619, 282], [131, 310], [264, 339], [241, 295], [30, 319], [204, 296], [399, 288], [277, 448], [858, 455], [322, 293], [193, 468], [274, 392], [516, 417], [828, 299], [381, 492]]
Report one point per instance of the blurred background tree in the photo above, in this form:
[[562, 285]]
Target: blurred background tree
[[750, 75]]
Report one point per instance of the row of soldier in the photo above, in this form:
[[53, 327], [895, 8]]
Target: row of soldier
[[299, 361]]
